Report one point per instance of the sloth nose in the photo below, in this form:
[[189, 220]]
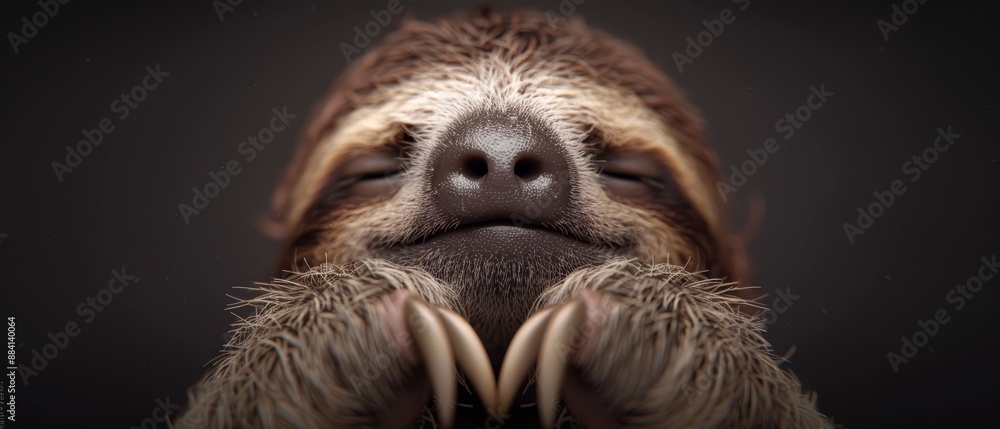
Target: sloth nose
[[496, 166]]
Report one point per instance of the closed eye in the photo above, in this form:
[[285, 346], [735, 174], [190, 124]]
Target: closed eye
[[386, 163], [621, 175], [635, 176], [374, 174], [380, 174]]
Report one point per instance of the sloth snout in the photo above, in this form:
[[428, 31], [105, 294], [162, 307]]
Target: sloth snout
[[496, 165]]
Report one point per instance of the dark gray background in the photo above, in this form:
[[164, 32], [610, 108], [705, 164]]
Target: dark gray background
[[119, 208]]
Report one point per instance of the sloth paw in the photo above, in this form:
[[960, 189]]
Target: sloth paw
[[442, 338], [630, 345]]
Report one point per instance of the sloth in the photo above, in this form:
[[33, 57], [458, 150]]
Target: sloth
[[495, 219]]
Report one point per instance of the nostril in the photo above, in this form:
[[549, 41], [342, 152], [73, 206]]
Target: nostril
[[475, 167], [528, 168]]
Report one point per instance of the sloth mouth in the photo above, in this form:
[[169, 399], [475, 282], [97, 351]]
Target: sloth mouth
[[504, 237], [501, 224], [532, 246]]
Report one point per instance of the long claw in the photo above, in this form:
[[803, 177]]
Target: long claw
[[521, 354], [472, 357], [432, 341], [554, 356]]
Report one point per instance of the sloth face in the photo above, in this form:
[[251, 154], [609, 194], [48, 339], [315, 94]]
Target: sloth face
[[500, 157], [501, 166]]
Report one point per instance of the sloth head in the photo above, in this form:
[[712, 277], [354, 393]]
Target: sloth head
[[500, 153]]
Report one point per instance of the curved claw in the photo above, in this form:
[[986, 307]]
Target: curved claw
[[521, 354], [555, 354], [546, 337], [434, 346], [471, 355]]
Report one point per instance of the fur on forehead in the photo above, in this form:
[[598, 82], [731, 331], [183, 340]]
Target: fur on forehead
[[513, 60], [525, 36], [429, 102]]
